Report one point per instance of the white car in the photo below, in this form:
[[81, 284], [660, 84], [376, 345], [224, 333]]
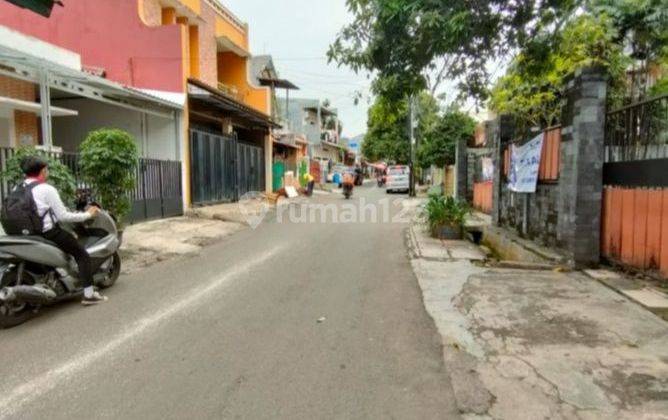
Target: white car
[[398, 178]]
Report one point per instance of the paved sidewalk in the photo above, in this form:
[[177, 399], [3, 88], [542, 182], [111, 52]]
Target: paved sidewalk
[[527, 344], [147, 243]]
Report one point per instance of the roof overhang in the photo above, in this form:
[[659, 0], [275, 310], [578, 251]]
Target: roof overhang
[[211, 96], [292, 146], [336, 145], [35, 107], [19, 65], [279, 83], [226, 44]]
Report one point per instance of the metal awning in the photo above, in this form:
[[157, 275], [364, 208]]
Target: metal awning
[[218, 99], [50, 75], [19, 65], [35, 107], [279, 83], [42, 7]]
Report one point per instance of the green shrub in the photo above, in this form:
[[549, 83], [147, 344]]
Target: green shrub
[[441, 210], [108, 162], [60, 175]]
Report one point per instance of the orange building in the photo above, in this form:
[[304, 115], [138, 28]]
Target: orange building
[[228, 120]]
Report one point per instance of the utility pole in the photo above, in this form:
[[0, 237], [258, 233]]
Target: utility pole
[[411, 119]]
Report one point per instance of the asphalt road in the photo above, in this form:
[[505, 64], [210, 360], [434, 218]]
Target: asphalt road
[[234, 333]]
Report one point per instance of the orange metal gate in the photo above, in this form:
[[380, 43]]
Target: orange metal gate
[[482, 196], [635, 227]]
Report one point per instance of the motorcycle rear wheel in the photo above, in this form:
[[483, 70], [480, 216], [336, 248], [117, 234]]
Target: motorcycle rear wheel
[[11, 314], [113, 273]]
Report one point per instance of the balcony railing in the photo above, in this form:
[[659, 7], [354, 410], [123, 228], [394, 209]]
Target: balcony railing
[[230, 91]]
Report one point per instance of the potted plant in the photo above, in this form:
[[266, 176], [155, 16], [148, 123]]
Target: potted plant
[[446, 216], [108, 162]]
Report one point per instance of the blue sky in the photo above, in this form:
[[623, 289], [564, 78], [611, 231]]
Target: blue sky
[[297, 33]]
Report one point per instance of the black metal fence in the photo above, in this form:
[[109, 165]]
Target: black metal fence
[[637, 131], [158, 192]]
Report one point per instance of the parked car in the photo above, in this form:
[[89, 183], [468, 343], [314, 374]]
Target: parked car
[[398, 178]]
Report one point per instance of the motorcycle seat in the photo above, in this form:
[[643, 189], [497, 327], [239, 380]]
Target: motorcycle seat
[[40, 239]]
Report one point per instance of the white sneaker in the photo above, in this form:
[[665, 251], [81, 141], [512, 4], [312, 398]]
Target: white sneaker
[[94, 299]]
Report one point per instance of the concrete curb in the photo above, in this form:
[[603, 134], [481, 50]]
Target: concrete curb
[[649, 298]]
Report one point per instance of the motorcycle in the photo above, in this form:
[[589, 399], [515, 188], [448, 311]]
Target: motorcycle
[[381, 181], [347, 190], [35, 273], [359, 178]]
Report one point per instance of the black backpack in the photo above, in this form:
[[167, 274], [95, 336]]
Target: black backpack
[[19, 215]]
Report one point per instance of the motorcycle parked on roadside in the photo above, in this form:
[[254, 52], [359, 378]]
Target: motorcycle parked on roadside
[[35, 273]]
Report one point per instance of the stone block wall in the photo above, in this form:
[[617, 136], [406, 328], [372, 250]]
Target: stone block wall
[[566, 215], [542, 213]]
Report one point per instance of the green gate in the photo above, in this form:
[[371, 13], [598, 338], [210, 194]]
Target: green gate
[[278, 171]]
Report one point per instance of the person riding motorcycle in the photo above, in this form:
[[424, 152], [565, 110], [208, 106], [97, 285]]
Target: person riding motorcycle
[[348, 184], [51, 209], [348, 179]]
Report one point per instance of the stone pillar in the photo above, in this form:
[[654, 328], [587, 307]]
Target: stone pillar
[[499, 134], [581, 175], [461, 166], [493, 140]]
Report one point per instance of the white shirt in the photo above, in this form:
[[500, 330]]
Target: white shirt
[[47, 198]]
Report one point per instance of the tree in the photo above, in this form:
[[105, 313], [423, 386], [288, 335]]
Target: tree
[[642, 28], [108, 162], [60, 175], [438, 146], [531, 90], [387, 137], [402, 40]]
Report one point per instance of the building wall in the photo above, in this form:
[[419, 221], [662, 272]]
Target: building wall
[[208, 54], [155, 136], [327, 152], [109, 34], [17, 89], [301, 121], [229, 27], [233, 71], [26, 128], [20, 127], [542, 216]]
